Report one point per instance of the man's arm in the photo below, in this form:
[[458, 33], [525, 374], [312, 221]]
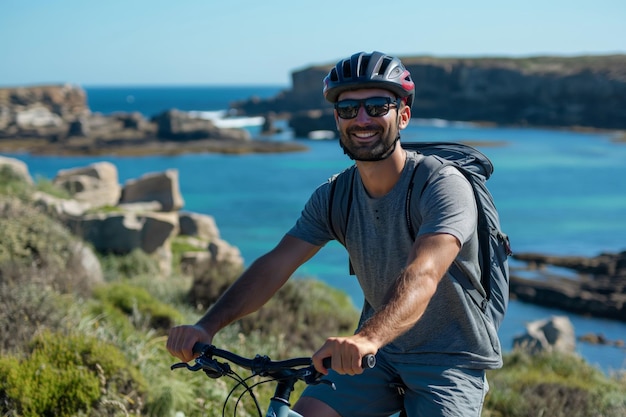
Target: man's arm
[[245, 296], [406, 302]]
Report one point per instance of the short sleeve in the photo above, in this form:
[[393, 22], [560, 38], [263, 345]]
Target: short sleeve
[[312, 225], [448, 206]]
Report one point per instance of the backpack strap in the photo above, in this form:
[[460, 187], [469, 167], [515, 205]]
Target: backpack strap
[[427, 169], [340, 204]]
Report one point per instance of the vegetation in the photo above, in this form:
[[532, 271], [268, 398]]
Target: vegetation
[[551, 384], [74, 346]]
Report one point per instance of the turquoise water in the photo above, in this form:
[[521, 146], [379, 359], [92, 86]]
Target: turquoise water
[[557, 192]]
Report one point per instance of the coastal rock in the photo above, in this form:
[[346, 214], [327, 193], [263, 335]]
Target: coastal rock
[[36, 117], [553, 334], [57, 120], [198, 225], [181, 126], [66, 100], [145, 217], [121, 233], [587, 91], [593, 286], [96, 184], [60, 208], [161, 187], [16, 166], [304, 122], [212, 270]]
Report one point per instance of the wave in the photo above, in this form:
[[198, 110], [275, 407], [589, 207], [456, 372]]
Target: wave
[[223, 119]]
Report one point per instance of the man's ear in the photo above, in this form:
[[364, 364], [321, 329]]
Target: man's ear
[[404, 116]]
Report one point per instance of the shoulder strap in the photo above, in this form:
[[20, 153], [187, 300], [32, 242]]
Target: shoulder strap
[[425, 170], [340, 202], [428, 167]]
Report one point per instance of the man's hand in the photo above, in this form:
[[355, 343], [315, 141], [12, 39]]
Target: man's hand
[[346, 354], [181, 339]]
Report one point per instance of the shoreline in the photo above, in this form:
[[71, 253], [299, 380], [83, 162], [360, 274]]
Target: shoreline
[[43, 146]]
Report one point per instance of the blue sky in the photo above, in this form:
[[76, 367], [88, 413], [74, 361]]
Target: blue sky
[[231, 42]]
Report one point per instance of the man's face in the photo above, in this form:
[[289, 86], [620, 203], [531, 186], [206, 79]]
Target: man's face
[[365, 137]]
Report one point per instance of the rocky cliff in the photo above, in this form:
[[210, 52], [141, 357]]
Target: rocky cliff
[[584, 91], [55, 119]]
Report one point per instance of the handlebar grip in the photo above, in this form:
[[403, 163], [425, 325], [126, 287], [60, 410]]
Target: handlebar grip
[[368, 362], [199, 347]]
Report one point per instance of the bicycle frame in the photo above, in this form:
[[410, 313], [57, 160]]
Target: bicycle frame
[[279, 404]]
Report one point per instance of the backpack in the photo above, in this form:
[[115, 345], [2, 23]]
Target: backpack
[[492, 293]]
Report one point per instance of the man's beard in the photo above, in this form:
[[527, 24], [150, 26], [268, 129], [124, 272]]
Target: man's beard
[[377, 151]]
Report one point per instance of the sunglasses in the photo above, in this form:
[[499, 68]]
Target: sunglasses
[[374, 106]]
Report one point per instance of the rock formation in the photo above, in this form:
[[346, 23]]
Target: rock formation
[[553, 334], [143, 214], [595, 286], [57, 120], [587, 91]]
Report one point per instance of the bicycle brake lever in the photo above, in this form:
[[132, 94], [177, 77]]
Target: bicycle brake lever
[[327, 382], [194, 368], [312, 377], [212, 368]]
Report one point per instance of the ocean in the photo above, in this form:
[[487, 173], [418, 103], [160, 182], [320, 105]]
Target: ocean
[[558, 192]]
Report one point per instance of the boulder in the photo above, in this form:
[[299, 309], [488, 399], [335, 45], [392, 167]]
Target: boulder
[[96, 184], [60, 208], [160, 187], [198, 225], [121, 233], [86, 259], [305, 122], [553, 334], [181, 126], [213, 270], [18, 167]]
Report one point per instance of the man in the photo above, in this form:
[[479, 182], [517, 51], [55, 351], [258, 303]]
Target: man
[[426, 332]]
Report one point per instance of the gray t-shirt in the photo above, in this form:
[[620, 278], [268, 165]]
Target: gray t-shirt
[[453, 331]]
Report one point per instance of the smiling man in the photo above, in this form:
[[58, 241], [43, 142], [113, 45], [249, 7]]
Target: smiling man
[[428, 335]]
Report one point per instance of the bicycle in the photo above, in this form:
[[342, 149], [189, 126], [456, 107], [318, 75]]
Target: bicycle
[[286, 373]]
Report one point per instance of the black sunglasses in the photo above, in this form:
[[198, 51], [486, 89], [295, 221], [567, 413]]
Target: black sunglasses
[[374, 106]]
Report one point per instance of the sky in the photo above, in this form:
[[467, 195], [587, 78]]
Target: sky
[[248, 42]]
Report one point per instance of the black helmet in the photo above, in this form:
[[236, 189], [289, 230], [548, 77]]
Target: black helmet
[[375, 70]]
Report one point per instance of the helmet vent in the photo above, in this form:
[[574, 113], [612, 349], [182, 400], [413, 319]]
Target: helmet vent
[[365, 60], [346, 69], [384, 65]]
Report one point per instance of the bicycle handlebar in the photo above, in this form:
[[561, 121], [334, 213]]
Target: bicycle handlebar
[[285, 372], [263, 364]]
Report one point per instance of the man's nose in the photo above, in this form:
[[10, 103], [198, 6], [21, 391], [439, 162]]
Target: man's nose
[[362, 115]]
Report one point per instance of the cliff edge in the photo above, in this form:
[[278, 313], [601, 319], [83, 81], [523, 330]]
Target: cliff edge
[[545, 91]]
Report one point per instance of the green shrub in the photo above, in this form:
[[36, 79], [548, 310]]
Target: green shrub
[[46, 186], [553, 384], [68, 374], [138, 305], [12, 184], [36, 247], [214, 278], [25, 310], [133, 264]]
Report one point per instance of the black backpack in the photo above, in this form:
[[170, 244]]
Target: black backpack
[[494, 248]]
